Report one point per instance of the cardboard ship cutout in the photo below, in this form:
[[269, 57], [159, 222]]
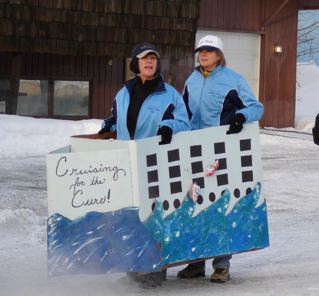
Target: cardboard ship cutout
[[139, 206]]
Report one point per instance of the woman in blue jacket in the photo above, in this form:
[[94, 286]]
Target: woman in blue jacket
[[146, 106], [216, 95]]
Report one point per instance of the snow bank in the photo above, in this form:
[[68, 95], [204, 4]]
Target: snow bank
[[22, 224], [26, 136]]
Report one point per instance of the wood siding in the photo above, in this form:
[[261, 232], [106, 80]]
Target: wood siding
[[175, 71], [105, 74], [230, 15], [308, 4], [278, 72], [98, 28], [90, 40]]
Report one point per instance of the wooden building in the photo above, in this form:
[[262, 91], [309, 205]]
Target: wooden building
[[68, 58]]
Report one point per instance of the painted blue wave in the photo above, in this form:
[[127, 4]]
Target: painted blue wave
[[210, 233], [118, 241], [101, 243]]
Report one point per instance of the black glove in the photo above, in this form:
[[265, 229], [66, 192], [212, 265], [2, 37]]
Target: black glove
[[315, 131], [166, 133], [103, 130], [236, 123]]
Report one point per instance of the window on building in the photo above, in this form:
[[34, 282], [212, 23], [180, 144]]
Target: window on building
[[33, 98], [71, 98], [4, 94], [45, 98]]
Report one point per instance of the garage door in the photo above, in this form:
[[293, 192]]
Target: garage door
[[242, 52]]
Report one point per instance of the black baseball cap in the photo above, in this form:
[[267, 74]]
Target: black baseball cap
[[142, 49]]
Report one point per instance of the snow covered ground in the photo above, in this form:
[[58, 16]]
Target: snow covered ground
[[290, 266]]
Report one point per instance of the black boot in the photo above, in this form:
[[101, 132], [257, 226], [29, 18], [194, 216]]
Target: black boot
[[192, 270], [149, 280], [164, 275], [220, 275]]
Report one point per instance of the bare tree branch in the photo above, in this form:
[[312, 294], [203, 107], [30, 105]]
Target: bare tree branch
[[308, 35]]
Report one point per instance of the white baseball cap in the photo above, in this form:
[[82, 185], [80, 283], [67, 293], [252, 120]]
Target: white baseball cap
[[209, 42]]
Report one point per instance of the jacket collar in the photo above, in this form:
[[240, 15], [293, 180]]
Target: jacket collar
[[130, 84], [216, 70]]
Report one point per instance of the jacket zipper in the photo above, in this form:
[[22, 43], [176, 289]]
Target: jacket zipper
[[147, 99], [200, 102]]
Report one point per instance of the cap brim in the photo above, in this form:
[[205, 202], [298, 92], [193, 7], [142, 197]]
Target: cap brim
[[146, 52], [206, 47]]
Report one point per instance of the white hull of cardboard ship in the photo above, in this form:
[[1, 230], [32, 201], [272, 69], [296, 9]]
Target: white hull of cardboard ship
[[138, 206]]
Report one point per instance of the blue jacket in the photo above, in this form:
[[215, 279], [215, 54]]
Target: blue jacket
[[164, 106], [213, 100]]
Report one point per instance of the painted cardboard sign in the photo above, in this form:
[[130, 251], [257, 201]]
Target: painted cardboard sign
[[129, 205]]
